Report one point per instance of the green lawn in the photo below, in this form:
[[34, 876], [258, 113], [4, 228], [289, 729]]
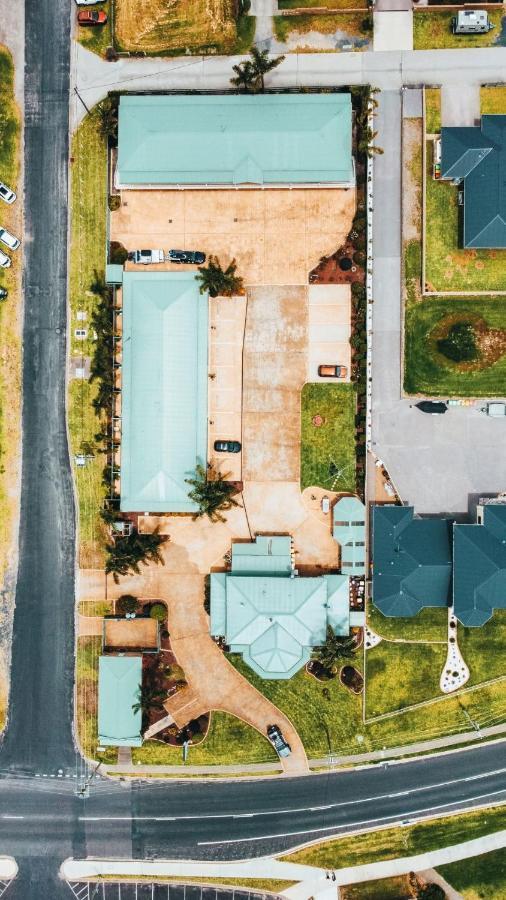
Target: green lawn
[[87, 255], [229, 742], [330, 4], [95, 607], [391, 843], [428, 625], [428, 372], [432, 31], [398, 675], [88, 652], [97, 39], [478, 876], [449, 267], [484, 648], [384, 889], [349, 23], [493, 100], [432, 110], [328, 451]]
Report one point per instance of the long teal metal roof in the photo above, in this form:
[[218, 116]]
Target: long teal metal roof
[[164, 389], [266, 555], [229, 139], [479, 555], [349, 531], [119, 683]]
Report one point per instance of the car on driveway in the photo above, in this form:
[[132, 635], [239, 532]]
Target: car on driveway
[[6, 194], [146, 257], [227, 446], [433, 407], [190, 257], [5, 260], [4, 293], [497, 410], [278, 742], [91, 17], [9, 240], [332, 371]]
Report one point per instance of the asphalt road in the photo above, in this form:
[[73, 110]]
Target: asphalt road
[[42, 821]]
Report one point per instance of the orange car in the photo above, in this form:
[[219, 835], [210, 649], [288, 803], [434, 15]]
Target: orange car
[[91, 17]]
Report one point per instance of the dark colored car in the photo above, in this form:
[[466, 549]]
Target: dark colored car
[[191, 257], [278, 742], [4, 293], [91, 17], [227, 446], [434, 407]]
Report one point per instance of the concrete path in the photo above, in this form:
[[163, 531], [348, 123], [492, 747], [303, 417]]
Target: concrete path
[[264, 10], [460, 107], [393, 29], [312, 880]]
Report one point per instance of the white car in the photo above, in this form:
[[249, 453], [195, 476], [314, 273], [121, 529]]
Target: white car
[[6, 194], [4, 260], [9, 240]]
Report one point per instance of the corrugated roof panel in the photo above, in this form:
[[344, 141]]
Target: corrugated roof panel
[[119, 683]]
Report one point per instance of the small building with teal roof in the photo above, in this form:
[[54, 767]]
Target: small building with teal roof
[[270, 615], [349, 532], [119, 685]]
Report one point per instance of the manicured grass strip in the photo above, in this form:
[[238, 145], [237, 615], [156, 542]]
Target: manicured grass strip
[[87, 257], [478, 876], [349, 23], [229, 742], [390, 843], [449, 267], [95, 607], [432, 110], [97, 39], [428, 625], [330, 4], [399, 675], [483, 648], [328, 451], [493, 100], [426, 371], [261, 884], [88, 652], [383, 889], [432, 30]]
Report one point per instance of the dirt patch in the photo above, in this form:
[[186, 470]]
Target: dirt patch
[[175, 25], [412, 137], [491, 342]]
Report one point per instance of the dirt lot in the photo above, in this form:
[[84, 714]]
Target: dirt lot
[[153, 25], [277, 236], [131, 633]]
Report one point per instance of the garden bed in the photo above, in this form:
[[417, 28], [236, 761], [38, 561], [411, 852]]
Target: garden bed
[[352, 679]]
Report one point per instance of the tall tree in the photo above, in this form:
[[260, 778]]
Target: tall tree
[[107, 122], [149, 697], [262, 64], [217, 281], [125, 554], [334, 649], [245, 75], [211, 492]]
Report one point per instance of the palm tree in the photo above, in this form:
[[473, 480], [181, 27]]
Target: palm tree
[[125, 554], [217, 281], [149, 697], [366, 142], [211, 492], [262, 63], [334, 649], [107, 123], [245, 75]]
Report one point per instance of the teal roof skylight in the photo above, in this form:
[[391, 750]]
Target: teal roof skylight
[[228, 139], [119, 683], [164, 389]]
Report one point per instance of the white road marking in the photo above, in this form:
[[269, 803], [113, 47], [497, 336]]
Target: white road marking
[[11, 817], [335, 828]]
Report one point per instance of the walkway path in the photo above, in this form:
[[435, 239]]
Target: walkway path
[[264, 10]]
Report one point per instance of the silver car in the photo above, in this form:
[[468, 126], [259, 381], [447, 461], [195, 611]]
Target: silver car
[[9, 240], [6, 194], [4, 260]]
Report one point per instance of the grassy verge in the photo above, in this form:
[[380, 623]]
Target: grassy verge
[[493, 100], [399, 675], [433, 31], [97, 39], [480, 876], [261, 884], [328, 451], [87, 256], [384, 889], [348, 23], [432, 110], [10, 349], [449, 267], [390, 843], [427, 371], [229, 741], [88, 652], [94, 608], [428, 625]]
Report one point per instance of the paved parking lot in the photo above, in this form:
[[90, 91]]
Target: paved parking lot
[[142, 890], [329, 328]]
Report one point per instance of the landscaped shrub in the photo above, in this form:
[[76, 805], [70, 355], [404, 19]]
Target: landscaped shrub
[[359, 257], [158, 611], [460, 343], [358, 291], [127, 603], [114, 202], [118, 254]]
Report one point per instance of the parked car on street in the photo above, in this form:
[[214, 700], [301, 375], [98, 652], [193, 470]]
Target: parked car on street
[[4, 293], [91, 17], [146, 257], [5, 260], [496, 410], [433, 407], [6, 194], [227, 446], [9, 240], [192, 257], [332, 371], [278, 742]]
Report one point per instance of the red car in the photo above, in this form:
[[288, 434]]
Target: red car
[[91, 17]]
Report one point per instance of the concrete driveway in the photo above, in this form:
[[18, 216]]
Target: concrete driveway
[[227, 319], [329, 328]]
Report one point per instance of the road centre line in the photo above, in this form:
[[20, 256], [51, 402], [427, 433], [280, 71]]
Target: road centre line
[[396, 819], [302, 809]]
